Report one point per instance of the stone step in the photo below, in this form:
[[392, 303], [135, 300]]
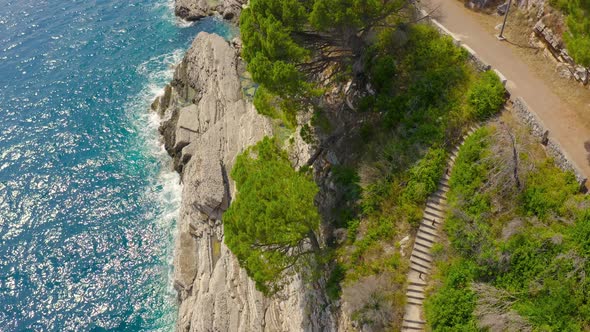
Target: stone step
[[422, 245], [411, 329], [441, 196], [445, 176], [432, 213], [436, 200], [429, 217], [422, 256], [434, 210], [421, 249], [425, 241], [443, 189], [418, 283], [420, 269], [415, 295], [439, 193], [415, 301], [422, 264], [428, 224], [413, 325], [428, 231], [442, 202], [426, 237], [416, 288]]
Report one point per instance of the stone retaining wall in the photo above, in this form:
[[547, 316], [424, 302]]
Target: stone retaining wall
[[551, 41], [538, 129]]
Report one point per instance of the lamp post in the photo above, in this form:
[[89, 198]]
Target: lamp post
[[501, 35]]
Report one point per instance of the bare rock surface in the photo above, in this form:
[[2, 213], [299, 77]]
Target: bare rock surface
[[206, 124], [193, 10]]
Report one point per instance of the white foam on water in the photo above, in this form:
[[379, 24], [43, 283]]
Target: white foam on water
[[165, 189], [168, 14]]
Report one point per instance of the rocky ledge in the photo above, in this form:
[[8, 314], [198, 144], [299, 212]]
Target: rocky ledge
[[193, 10], [206, 124]]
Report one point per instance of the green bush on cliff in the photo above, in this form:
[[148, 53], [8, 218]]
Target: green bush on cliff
[[487, 95], [271, 223]]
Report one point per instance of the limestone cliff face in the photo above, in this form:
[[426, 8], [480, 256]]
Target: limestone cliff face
[[206, 125], [193, 10]]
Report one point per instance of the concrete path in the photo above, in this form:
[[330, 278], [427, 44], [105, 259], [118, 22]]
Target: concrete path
[[421, 259], [563, 123]]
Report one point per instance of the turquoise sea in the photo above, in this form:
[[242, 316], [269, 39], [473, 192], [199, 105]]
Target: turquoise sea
[[87, 200]]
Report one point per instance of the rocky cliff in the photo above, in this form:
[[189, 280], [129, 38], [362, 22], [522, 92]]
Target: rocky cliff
[[193, 10], [206, 123]]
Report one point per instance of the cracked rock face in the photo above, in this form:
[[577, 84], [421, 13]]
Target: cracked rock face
[[206, 125], [193, 10]]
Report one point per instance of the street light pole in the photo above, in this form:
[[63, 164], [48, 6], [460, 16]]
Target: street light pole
[[501, 36]]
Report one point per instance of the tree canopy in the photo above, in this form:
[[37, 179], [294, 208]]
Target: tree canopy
[[288, 41], [270, 225]]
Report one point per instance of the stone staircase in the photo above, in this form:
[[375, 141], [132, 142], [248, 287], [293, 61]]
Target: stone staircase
[[421, 260]]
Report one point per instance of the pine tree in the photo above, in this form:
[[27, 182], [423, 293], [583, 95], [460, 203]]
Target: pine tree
[[271, 224]]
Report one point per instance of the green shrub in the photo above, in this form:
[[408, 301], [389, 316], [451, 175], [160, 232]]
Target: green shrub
[[333, 287], [349, 179], [274, 107], [538, 264], [307, 135], [451, 307], [487, 95], [577, 38], [272, 216], [383, 73], [470, 173], [547, 190], [560, 299], [581, 233], [437, 67], [424, 176], [352, 226]]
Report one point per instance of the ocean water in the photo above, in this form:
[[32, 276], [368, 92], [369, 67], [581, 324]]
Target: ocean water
[[87, 200]]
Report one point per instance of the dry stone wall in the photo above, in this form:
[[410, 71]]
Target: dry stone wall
[[538, 129]]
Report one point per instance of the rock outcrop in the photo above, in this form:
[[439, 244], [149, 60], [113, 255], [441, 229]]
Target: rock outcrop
[[206, 125], [193, 10], [545, 37]]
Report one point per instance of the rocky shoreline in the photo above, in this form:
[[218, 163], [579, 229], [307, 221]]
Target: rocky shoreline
[[193, 10], [206, 123]]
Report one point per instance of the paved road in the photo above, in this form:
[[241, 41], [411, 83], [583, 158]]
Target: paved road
[[563, 123]]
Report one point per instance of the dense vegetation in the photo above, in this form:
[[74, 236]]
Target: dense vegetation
[[418, 95], [577, 38], [271, 223], [518, 256], [426, 95], [289, 44]]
